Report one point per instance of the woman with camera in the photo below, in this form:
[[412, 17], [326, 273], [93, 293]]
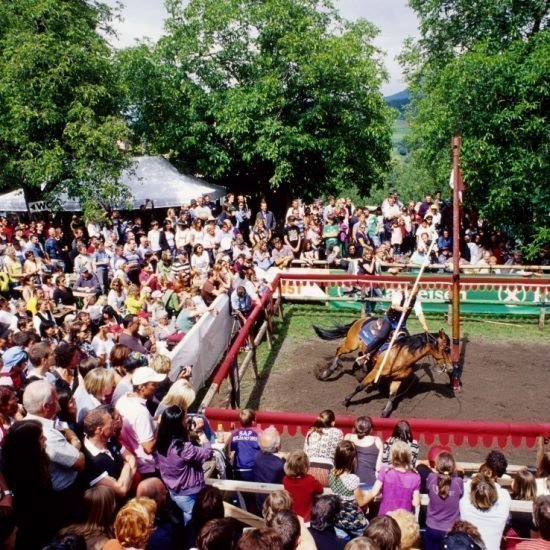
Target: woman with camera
[[180, 460]]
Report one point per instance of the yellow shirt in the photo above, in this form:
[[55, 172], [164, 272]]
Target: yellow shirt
[[134, 305]]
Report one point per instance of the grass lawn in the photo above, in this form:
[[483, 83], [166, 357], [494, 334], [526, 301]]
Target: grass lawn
[[296, 329]]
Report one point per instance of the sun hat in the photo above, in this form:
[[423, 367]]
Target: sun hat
[[12, 357], [144, 375]]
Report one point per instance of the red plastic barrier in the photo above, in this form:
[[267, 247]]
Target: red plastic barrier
[[446, 432]]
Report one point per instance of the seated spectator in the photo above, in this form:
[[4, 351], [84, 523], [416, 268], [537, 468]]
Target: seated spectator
[[108, 464], [243, 443], [461, 540], [268, 467], [345, 484], [88, 282], [495, 465], [134, 525], [369, 451], [410, 530], [487, 507], [399, 484], [324, 516], [95, 523], [301, 486], [180, 461], [445, 490], [320, 445], [134, 300], [281, 255], [9, 409], [361, 543], [471, 530], [402, 432]]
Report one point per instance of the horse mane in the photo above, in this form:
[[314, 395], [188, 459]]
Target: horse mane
[[416, 342]]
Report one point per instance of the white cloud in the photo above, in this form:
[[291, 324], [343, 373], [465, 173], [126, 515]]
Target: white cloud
[[394, 18]]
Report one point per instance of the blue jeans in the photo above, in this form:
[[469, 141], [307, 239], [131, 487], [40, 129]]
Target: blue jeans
[[433, 538], [185, 503]]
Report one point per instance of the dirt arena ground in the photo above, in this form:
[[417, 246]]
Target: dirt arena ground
[[502, 382]]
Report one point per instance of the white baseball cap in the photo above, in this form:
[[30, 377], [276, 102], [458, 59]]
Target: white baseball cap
[[144, 375]]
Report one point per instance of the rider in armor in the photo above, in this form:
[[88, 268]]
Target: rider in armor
[[393, 314]]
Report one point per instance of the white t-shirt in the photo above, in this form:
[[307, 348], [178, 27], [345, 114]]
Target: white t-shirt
[[138, 427], [490, 523], [103, 347]]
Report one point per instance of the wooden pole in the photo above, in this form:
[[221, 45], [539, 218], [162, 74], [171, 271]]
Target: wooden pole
[[456, 143], [402, 318]]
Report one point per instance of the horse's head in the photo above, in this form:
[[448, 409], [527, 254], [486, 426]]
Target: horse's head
[[441, 350]]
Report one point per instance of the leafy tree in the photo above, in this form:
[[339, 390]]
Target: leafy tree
[[279, 94], [59, 101], [481, 69]]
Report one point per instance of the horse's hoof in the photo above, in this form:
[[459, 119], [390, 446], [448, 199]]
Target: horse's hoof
[[387, 411], [321, 372], [346, 402]]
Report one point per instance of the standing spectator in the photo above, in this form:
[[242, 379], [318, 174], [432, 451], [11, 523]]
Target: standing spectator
[[180, 461], [401, 432], [292, 236], [267, 216], [400, 484], [243, 442], [62, 447], [107, 463], [369, 451], [445, 490], [330, 234], [130, 335], [268, 467], [487, 508], [324, 516], [134, 525], [384, 532], [139, 430], [25, 465], [345, 484], [320, 445], [301, 486], [543, 467]]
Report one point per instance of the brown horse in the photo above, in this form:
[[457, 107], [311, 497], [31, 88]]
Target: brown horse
[[405, 352]]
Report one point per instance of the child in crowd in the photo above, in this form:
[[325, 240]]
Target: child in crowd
[[302, 487]]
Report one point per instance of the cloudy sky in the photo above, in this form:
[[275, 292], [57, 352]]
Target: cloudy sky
[[396, 21]]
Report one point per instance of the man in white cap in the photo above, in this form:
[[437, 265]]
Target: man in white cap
[[139, 429]]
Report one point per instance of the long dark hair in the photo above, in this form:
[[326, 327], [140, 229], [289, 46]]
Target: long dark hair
[[325, 420], [403, 431], [172, 428], [26, 464]]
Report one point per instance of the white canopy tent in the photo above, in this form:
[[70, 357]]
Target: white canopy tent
[[152, 178]]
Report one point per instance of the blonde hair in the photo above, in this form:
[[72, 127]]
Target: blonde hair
[[401, 455], [297, 464], [161, 363], [135, 522], [97, 381], [410, 530], [278, 501], [181, 393]]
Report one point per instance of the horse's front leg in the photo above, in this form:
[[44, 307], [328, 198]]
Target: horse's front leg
[[394, 387], [364, 384]]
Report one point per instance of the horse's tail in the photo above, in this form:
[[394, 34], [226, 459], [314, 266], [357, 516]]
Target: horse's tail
[[333, 333]]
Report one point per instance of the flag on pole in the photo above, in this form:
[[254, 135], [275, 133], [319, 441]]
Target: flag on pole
[[460, 183]]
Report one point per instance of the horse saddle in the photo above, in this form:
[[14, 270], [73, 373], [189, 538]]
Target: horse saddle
[[370, 330]]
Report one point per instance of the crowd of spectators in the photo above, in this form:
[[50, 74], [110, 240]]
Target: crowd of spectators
[[99, 448]]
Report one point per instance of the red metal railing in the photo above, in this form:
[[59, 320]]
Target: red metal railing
[[429, 431]]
